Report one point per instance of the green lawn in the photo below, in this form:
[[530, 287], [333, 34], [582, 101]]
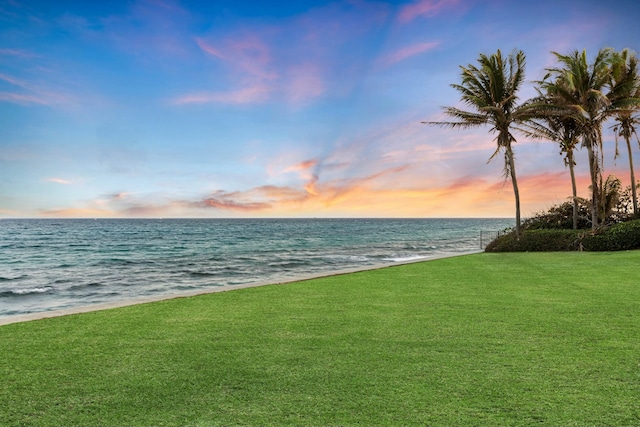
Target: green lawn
[[487, 339]]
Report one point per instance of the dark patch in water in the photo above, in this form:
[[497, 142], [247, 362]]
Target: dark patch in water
[[13, 279], [85, 286], [25, 292]]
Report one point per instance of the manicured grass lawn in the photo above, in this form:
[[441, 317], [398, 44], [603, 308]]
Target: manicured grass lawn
[[487, 339]]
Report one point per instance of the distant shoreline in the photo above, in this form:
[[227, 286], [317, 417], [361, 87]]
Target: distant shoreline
[[18, 318]]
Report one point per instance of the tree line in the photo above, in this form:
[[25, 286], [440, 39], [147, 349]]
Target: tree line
[[573, 102]]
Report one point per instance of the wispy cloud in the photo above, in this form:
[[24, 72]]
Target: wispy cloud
[[294, 61], [9, 212], [27, 92], [59, 181], [407, 52], [424, 8], [247, 53], [20, 53], [305, 82], [225, 201], [17, 98], [249, 95], [248, 61], [305, 169], [209, 49], [84, 212]]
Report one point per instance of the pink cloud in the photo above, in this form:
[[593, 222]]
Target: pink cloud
[[59, 181], [280, 193], [17, 53], [304, 169], [426, 8], [248, 59], [247, 53], [8, 212], [312, 193], [78, 213], [209, 49], [305, 82], [123, 195], [302, 166], [248, 95], [16, 82], [295, 58], [234, 201], [407, 52], [17, 98], [35, 93]]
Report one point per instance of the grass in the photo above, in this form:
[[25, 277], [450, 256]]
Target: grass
[[486, 339]]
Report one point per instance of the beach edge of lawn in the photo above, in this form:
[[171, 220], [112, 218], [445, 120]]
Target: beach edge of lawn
[[282, 280]]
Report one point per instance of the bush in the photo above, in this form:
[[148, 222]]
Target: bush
[[537, 241], [558, 217], [619, 237]]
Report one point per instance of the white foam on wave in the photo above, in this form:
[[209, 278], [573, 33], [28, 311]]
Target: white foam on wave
[[350, 258], [31, 291], [406, 259]]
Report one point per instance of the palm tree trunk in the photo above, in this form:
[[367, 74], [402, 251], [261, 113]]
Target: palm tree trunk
[[594, 187], [514, 181], [634, 194], [574, 189]]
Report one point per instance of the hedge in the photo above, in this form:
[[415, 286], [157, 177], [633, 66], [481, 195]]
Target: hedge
[[537, 241], [619, 237]]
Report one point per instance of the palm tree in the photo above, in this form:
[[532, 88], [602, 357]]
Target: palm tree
[[490, 90], [581, 87], [553, 124], [610, 195], [625, 83]]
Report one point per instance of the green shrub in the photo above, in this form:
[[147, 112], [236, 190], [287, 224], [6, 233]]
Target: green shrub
[[559, 217], [537, 241], [619, 237]]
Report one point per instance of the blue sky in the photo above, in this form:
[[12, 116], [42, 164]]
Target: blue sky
[[161, 108]]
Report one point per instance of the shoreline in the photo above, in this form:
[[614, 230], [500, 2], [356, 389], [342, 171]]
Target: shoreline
[[19, 318]]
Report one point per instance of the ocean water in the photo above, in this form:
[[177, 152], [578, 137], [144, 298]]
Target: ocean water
[[49, 264]]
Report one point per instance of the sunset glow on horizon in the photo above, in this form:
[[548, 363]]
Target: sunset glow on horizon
[[232, 109]]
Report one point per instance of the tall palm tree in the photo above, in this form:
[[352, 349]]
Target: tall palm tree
[[490, 89], [610, 195], [582, 87], [553, 124], [625, 87]]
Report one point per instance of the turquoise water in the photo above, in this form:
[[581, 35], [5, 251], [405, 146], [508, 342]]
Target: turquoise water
[[48, 264]]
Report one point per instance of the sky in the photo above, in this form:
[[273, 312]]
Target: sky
[[252, 108]]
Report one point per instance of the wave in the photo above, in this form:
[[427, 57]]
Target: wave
[[348, 258], [65, 265], [291, 263], [123, 261], [26, 292], [202, 273], [11, 279], [227, 270], [405, 259], [85, 286]]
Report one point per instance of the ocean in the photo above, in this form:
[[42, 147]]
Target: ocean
[[51, 264]]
